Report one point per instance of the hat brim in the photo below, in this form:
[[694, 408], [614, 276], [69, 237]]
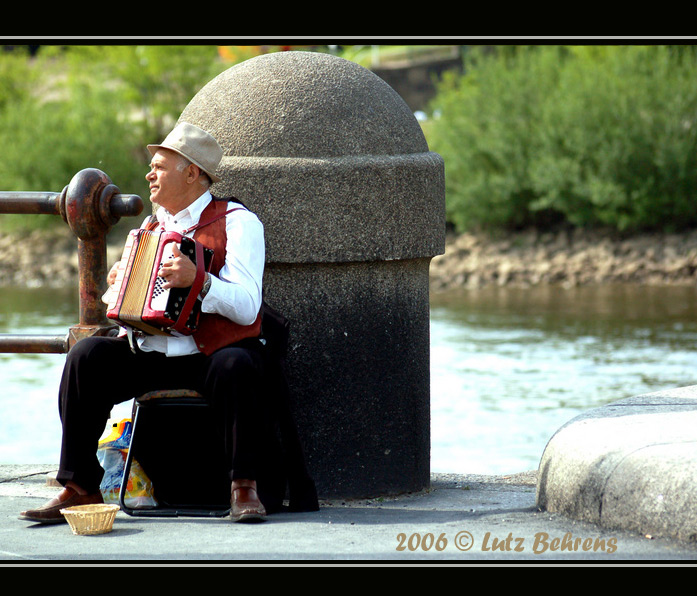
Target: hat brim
[[153, 149]]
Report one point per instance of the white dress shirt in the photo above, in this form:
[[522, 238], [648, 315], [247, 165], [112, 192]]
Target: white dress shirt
[[235, 292]]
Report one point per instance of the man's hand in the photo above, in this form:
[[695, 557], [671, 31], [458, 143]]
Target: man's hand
[[111, 294], [179, 272], [111, 278]]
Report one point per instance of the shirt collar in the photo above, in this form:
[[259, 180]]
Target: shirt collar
[[186, 217]]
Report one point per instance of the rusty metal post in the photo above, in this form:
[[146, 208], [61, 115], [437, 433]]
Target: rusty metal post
[[34, 344], [90, 206], [40, 203]]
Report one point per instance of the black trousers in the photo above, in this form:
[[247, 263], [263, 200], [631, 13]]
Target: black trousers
[[103, 371]]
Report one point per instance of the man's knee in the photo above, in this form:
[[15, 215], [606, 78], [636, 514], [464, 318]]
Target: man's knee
[[91, 349], [234, 366], [233, 359]]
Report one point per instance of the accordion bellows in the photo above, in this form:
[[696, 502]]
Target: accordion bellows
[[137, 298]]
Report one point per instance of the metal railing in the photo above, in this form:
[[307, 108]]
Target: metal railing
[[90, 205]]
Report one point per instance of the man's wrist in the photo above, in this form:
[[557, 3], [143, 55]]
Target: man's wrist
[[206, 286]]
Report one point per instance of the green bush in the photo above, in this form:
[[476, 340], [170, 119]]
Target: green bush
[[50, 142], [16, 78], [587, 136], [91, 107]]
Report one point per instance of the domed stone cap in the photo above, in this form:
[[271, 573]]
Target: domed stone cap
[[305, 104], [328, 156]]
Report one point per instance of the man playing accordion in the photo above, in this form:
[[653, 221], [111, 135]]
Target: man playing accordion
[[221, 358]]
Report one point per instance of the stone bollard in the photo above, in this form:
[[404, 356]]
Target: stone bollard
[[352, 201]]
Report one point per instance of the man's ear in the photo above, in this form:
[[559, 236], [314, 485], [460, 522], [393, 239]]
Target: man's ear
[[193, 173]]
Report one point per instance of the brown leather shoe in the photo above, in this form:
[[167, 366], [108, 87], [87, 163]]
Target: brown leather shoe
[[49, 513], [245, 503]]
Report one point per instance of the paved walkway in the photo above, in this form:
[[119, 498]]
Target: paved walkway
[[616, 484]]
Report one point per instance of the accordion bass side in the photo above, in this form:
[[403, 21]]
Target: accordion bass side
[[137, 298]]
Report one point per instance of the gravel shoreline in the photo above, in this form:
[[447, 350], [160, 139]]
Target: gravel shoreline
[[566, 258], [44, 258], [523, 259]]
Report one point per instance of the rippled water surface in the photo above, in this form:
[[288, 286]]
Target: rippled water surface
[[508, 367]]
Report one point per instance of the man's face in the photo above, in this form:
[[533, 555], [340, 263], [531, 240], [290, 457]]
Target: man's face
[[167, 181]]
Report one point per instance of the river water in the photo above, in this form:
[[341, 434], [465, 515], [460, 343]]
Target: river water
[[508, 367]]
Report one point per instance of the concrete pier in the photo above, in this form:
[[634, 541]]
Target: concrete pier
[[631, 464], [353, 205]]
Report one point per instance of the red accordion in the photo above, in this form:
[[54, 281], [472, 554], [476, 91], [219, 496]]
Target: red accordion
[[137, 299]]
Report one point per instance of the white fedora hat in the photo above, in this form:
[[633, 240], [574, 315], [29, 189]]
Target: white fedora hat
[[194, 143]]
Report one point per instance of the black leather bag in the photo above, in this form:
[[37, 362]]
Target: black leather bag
[[275, 331], [289, 458]]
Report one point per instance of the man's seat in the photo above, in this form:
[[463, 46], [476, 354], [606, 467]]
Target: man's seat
[[183, 456], [171, 439]]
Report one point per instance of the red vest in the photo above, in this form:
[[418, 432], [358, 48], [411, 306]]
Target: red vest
[[216, 331]]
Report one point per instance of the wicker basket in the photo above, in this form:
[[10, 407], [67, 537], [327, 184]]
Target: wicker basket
[[86, 520]]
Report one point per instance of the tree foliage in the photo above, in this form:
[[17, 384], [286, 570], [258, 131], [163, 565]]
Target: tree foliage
[[79, 107], [585, 136]]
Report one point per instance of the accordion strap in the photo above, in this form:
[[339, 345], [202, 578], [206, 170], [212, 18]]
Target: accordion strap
[[152, 222], [210, 221], [195, 290]]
